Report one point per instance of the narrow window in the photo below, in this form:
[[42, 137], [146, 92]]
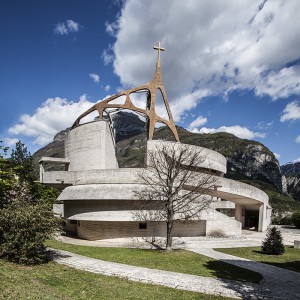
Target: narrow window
[[142, 225]]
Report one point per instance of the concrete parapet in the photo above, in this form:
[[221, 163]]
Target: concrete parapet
[[212, 160]]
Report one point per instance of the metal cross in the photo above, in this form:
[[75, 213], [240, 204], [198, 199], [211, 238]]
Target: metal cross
[[159, 49]]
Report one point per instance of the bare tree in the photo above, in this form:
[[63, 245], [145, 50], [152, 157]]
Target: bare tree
[[176, 187]]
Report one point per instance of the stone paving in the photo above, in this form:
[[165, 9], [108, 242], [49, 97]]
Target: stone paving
[[207, 285], [278, 283]]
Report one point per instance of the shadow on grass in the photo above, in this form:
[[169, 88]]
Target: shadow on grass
[[291, 265], [247, 287], [228, 271]]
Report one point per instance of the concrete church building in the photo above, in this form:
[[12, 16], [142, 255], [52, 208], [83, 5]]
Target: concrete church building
[[98, 198]]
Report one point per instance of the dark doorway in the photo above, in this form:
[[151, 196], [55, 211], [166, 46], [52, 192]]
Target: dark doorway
[[251, 219]]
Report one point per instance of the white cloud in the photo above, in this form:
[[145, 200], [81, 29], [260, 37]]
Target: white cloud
[[107, 88], [108, 55], [297, 140], [206, 51], [72, 26], [10, 142], [291, 112], [277, 155], [95, 77], [264, 125], [280, 84], [296, 160], [67, 27], [199, 121], [52, 116], [239, 131], [111, 28], [186, 102]]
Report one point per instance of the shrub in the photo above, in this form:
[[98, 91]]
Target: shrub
[[23, 229], [296, 218], [287, 220], [273, 243]]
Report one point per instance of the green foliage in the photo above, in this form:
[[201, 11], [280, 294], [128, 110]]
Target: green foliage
[[23, 163], [273, 244], [23, 229], [296, 218], [8, 177], [26, 218], [286, 220]]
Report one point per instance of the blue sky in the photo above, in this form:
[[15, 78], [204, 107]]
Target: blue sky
[[228, 66]]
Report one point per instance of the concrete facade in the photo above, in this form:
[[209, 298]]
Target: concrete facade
[[98, 198], [90, 147]]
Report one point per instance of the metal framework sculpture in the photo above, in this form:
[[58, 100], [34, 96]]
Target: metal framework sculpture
[[151, 89]]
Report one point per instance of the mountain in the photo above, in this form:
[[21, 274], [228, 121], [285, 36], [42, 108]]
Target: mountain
[[127, 125], [53, 149], [248, 161], [290, 168], [291, 179]]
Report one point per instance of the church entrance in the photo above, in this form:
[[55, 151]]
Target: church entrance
[[251, 219]]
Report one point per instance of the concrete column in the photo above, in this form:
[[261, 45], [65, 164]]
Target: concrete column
[[239, 214], [262, 224], [41, 171]]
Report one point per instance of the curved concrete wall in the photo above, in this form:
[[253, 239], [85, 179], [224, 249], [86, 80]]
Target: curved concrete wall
[[91, 146], [236, 191], [120, 183], [211, 159]]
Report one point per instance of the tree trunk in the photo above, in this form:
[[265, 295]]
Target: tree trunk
[[169, 235]]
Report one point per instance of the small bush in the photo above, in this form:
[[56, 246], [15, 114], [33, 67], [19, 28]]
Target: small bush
[[273, 243], [24, 228], [296, 218], [287, 220]]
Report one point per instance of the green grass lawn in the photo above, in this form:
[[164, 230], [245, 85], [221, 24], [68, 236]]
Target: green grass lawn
[[54, 281], [176, 261], [289, 260]]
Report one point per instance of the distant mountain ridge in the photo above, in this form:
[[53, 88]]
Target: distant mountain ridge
[[290, 168]]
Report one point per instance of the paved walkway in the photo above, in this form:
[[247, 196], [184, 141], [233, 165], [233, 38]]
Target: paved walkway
[[277, 283], [225, 288]]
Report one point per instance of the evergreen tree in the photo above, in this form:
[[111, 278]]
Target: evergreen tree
[[8, 177], [296, 218], [273, 243], [23, 162]]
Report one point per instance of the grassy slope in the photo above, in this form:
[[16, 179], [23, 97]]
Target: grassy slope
[[289, 260], [176, 261], [54, 281]]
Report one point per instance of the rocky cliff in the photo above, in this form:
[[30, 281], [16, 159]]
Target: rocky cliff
[[291, 179]]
